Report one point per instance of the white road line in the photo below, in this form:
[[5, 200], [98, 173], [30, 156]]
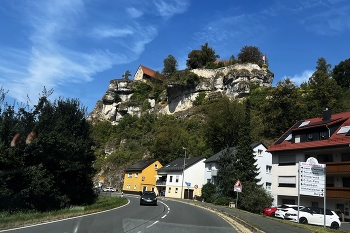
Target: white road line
[[152, 224]]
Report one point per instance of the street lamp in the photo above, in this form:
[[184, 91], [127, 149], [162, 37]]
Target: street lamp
[[183, 173]]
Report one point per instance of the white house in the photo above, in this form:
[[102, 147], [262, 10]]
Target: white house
[[263, 162], [182, 178]]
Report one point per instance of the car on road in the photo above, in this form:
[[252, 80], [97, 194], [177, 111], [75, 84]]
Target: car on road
[[269, 211], [284, 208], [148, 198], [314, 216], [108, 189]]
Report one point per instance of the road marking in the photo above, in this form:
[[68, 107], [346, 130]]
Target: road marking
[[167, 208], [152, 224]]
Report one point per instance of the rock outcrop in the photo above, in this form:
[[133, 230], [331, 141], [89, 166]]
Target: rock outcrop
[[232, 81]]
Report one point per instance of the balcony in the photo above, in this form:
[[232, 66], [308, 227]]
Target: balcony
[[338, 192], [338, 168], [214, 172], [160, 183]]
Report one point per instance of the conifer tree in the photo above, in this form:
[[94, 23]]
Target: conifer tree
[[225, 176]]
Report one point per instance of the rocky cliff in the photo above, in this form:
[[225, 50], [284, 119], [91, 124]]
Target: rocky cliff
[[231, 81]]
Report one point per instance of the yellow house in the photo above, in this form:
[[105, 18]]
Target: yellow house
[[141, 176]]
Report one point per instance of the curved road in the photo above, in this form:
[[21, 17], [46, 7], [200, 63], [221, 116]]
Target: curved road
[[168, 217]]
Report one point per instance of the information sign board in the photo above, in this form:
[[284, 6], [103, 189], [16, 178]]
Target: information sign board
[[312, 179]]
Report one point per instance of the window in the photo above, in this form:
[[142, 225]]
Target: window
[[134, 186], [286, 181], [176, 189], [155, 165], [268, 169], [260, 152], [169, 190], [286, 160], [325, 158], [152, 189], [129, 175], [208, 181], [136, 175], [323, 135], [268, 186], [209, 167], [329, 181], [345, 157], [346, 182], [297, 138], [177, 179], [309, 137], [171, 179]]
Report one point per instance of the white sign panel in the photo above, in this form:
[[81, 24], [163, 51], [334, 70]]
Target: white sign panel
[[312, 179]]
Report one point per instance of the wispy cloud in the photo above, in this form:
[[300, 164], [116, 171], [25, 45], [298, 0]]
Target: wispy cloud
[[168, 8], [300, 78], [106, 32], [133, 12]]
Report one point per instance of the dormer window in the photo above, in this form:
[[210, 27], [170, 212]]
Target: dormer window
[[309, 137], [323, 135]]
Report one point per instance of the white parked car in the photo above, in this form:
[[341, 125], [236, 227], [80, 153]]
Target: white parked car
[[283, 209], [314, 216], [108, 189]]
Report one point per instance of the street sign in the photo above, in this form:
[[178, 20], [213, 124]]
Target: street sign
[[195, 186], [238, 186], [188, 184], [312, 178]]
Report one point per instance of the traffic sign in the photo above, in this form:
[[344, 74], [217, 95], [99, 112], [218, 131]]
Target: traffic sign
[[312, 178], [188, 184], [195, 186], [238, 186]]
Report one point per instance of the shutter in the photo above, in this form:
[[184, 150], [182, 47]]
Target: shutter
[[286, 180]]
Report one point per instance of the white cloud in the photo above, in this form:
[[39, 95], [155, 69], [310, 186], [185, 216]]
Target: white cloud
[[133, 12], [106, 32], [300, 78], [169, 8]]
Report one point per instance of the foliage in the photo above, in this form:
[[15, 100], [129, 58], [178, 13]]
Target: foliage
[[126, 74], [224, 201], [253, 198], [200, 58], [199, 99], [341, 73], [209, 192], [225, 176], [39, 174], [322, 65], [251, 54], [224, 118], [282, 107], [170, 65], [185, 78], [141, 93]]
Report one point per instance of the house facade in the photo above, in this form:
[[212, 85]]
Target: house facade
[[263, 162], [325, 138], [143, 73], [141, 176], [182, 178]]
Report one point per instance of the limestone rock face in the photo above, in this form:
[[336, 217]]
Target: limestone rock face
[[231, 81]]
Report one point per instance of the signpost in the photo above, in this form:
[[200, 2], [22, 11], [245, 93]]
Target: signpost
[[237, 188], [312, 181], [188, 189]]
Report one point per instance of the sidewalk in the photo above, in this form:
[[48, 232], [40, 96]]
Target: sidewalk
[[256, 222]]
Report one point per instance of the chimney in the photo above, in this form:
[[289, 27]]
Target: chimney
[[326, 114]]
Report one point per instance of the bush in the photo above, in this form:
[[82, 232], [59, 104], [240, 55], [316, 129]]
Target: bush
[[222, 201], [208, 192], [199, 99]]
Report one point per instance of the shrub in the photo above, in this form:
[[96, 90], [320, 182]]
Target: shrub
[[222, 201]]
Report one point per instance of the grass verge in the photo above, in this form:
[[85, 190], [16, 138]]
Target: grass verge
[[27, 218]]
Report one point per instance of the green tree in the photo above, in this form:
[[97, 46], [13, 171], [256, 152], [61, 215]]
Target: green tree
[[170, 65], [209, 192], [223, 120], [225, 176], [323, 91], [282, 107], [250, 54], [341, 73], [254, 198], [245, 167], [200, 58], [126, 74], [55, 169]]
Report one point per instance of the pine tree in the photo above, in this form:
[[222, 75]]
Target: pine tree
[[245, 167], [225, 176]]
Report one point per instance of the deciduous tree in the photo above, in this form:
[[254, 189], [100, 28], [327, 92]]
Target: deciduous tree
[[170, 65]]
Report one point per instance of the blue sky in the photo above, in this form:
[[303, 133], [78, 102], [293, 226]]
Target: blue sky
[[77, 46]]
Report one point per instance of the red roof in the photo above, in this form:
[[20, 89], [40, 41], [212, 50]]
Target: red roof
[[343, 119], [147, 71]]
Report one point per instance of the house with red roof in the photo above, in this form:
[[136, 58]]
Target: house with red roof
[[143, 73], [325, 138]]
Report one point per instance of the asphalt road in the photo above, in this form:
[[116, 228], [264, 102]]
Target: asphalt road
[[168, 217]]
